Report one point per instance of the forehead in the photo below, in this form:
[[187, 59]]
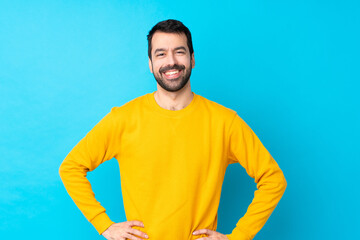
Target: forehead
[[168, 40]]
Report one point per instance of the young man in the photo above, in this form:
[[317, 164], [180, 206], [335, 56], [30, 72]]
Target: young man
[[173, 147]]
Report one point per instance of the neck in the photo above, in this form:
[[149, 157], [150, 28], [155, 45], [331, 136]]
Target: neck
[[174, 100]]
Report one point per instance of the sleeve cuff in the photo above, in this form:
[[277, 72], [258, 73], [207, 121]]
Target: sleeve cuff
[[238, 235], [101, 222]]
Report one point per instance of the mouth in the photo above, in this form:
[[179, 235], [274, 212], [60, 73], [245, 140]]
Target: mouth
[[172, 73]]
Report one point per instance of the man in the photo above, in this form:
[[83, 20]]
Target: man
[[173, 147]]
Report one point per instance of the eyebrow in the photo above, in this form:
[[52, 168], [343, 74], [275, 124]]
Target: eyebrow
[[163, 49], [159, 50], [178, 48]]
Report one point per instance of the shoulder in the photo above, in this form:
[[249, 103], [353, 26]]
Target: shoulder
[[216, 108], [130, 106]]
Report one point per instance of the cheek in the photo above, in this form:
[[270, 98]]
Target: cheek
[[187, 63], [153, 68], [156, 69], [156, 66]]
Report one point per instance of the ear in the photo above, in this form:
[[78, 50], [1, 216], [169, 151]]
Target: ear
[[150, 66], [192, 61]]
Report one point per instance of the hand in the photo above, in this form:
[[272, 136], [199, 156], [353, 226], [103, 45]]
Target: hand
[[123, 230], [211, 235]]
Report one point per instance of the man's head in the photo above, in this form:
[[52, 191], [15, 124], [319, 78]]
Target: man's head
[[171, 54], [170, 26]]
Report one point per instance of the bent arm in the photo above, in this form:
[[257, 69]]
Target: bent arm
[[88, 154], [246, 148]]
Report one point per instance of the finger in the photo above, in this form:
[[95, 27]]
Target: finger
[[132, 237], [138, 233], [136, 223], [203, 231]]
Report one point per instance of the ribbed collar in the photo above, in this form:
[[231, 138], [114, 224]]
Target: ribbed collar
[[171, 113]]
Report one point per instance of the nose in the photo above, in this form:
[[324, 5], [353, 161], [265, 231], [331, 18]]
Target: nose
[[172, 59]]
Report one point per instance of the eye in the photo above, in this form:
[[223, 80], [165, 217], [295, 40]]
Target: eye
[[160, 54], [180, 52]]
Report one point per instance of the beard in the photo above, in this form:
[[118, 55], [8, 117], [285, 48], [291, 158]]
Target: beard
[[173, 85]]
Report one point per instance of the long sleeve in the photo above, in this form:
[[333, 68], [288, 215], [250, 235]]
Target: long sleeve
[[88, 154], [246, 148]]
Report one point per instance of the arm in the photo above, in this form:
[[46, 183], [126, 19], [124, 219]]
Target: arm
[[247, 149], [95, 148]]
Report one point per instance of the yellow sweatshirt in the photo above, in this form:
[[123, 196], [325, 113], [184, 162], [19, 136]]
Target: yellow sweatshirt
[[172, 166]]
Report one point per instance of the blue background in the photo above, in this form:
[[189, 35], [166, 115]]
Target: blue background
[[289, 68]]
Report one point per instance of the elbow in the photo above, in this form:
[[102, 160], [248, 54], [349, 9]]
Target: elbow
[[70, 168], [62, 170], [280, 183], [283, 183]]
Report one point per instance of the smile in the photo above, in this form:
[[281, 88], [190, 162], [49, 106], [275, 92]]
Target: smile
[[171, 74]]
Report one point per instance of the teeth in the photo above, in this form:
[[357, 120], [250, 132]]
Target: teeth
[[172, 72]]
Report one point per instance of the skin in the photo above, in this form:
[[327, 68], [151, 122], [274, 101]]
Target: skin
[[213, 235], [171, 55], [168, 49], [124, 230]]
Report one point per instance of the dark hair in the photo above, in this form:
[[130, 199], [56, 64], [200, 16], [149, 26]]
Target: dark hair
[[170, 26]]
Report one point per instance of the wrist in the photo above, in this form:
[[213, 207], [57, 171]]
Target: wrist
[[101, 222]]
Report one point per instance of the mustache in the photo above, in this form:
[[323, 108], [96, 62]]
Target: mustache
[[171, 67]]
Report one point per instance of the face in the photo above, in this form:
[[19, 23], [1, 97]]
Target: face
[[171, 62]]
